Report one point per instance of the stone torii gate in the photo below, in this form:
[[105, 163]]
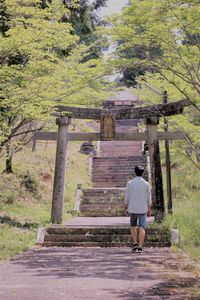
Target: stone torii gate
[[150, 114]]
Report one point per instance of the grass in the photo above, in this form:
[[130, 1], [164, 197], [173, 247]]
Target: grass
[[26, 195], [14, 240], [186, 205]]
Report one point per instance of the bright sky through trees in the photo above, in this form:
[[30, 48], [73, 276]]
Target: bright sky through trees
[[113, 6]]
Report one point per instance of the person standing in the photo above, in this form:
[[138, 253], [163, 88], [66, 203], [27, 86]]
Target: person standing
[[138, 206]]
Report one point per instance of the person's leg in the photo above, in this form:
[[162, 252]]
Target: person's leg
[[133, 221], [141, 236], [142, 226], [134, 234]]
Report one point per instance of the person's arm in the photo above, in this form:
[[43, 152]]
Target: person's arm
[[149, 201], [126, 201], [149, 211]]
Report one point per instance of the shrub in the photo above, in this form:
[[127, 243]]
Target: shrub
[[31, 182]]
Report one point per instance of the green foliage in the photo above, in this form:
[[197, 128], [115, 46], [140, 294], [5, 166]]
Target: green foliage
[[4, 17], [186, 208], [172, 27], [8, 194], [34, 77], [165, 25], [8, 197], [20, 219], [151, 92], [14, 241], [31, 182], [84, 18]]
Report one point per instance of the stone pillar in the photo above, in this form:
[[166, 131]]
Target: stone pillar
[[60, 169], [155, 165]]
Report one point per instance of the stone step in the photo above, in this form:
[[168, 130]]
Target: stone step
[[115, 166], [108, 183], [118, 148], [104, 191], [102, 229], [126, 151], [91, 198], [121, 158], [123, 145], [101, 244], [102, 213], [102, 200], [114, 211], [114, 176], [115, 171], [111, 180], [121, 162], [98, 205], [114, 183], [120, 145], [111, 176], [96, 238], [101, 236]]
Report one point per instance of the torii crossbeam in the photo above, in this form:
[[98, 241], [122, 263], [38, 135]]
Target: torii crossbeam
[[159, 110]]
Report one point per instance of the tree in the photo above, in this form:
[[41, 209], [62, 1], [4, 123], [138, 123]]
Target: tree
[[4, 17], [174, 28], [166, 25], [138, 52], [33, 76], [84, 18]]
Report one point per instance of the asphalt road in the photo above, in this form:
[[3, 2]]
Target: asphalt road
[[98, 273]]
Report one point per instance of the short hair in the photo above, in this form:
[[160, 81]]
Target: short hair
[[139, 170]]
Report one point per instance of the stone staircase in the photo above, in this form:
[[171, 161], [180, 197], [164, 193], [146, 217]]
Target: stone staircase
[[116, 171], [109, 177], [101, 236], [120, 148], [102, 202]]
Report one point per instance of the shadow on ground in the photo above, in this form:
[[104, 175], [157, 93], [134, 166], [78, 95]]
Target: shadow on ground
[[154, 274], [12, 222]]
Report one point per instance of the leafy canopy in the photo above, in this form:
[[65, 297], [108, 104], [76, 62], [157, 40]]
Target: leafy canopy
[[34, 77], [172, 26]]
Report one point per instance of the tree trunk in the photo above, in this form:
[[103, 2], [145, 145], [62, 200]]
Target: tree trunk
[[9, 156]]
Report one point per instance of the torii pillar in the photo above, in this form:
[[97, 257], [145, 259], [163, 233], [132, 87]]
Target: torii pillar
[[156, 170], [60, 170]]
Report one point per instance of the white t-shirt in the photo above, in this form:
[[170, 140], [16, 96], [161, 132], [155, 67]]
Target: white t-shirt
[[138, 195]]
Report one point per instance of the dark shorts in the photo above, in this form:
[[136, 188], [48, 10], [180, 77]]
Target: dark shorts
[[138, 220]]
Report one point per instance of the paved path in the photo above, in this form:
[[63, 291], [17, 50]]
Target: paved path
[[96, 273]]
